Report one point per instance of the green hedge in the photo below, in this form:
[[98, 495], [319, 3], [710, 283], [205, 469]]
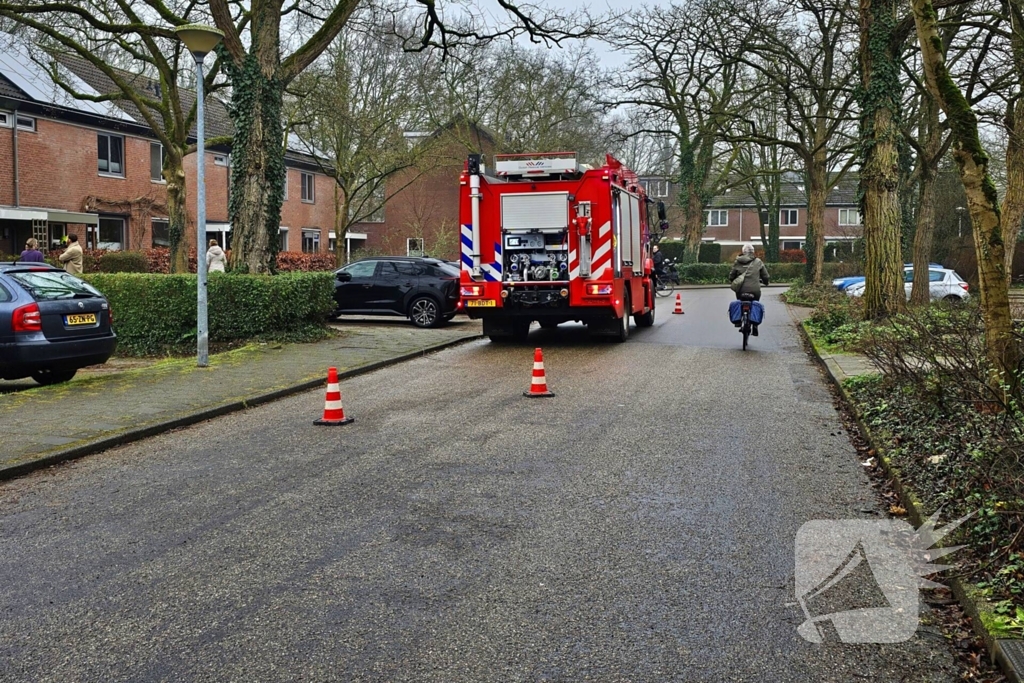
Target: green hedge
[[710, 252], [155, 313], [718, 273], [123, 262]]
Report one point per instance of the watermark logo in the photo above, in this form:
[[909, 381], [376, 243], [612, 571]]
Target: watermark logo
[[858, 580]]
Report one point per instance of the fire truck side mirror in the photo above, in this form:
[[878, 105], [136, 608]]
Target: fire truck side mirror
[[661, 211], [583, 225]]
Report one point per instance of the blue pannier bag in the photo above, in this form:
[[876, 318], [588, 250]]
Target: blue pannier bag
[[756, 312]]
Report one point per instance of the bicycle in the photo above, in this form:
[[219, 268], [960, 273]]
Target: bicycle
[[746, 303], [667, 279]]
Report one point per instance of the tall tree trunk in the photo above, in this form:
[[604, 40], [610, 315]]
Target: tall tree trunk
[[771, 250], [817, 191], [693, 224], [340, 223], [1013, 201], [924, 233], [257, 153], [1001, 349], [880, 173], [177, 214]]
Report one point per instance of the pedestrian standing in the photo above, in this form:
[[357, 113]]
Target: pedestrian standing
[[31, 254], [215, 258], [72, 256]]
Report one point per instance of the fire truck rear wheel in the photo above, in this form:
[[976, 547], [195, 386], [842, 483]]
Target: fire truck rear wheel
[[644, 319], [622, 333]]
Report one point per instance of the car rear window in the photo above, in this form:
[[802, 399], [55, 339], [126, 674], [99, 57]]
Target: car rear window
[[448, 269], [51, 285]]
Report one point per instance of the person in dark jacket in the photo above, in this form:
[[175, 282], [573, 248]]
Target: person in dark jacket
[[754, 274], [32, 253], [659, 260]]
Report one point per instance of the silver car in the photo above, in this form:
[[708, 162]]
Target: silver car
[[943, 283]]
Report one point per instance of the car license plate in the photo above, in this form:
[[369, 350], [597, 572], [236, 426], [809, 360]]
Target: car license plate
[[487, 303], [80, 319]]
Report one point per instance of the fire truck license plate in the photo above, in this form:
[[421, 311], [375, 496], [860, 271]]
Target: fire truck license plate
[[80, 319], [482, 302]]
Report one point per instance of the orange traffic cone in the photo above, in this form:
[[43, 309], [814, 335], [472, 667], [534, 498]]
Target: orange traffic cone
[[334, 414], [679, 303], [539, 384]]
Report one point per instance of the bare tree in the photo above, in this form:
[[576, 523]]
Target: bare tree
[[687, 88]]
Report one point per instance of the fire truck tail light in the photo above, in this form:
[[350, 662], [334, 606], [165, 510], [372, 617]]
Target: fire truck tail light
[[472, 290], [599, 289]]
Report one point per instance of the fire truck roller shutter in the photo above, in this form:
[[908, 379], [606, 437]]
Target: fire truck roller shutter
[[535, 210], [636, 246]]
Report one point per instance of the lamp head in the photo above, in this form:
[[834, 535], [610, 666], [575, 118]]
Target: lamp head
[[199, 39]]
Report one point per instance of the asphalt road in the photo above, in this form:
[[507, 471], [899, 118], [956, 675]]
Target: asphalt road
[[639, 526]]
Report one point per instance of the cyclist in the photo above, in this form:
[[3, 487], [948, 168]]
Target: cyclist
[[747, 275]]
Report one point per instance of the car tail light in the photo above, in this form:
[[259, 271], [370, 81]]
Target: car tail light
[[599, 289], [27, 319], [965, 286], [472, 290], [110, 316]]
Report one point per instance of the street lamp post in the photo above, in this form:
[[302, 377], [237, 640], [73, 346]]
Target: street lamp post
[[960, 221], [200, 40]]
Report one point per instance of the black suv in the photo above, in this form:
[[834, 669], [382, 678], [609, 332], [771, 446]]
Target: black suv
[[426, 290], [51, 324]]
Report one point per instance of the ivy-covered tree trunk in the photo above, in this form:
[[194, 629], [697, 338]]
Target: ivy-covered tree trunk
[[924, 231], [1013, 200], [880, 177], [257, 165], [177, 214], [693, 225], [817, 191], [1001, 349]]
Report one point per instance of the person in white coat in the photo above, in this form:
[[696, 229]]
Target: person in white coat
[[215, 258]]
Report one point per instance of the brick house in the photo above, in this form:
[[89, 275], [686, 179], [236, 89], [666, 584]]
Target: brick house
[[733, 219], [423, 216], [93, 169]]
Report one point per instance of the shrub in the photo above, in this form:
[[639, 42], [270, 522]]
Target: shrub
[[673, 250], [710, 252], [290, 261], [792, 256], [123, 262], [157, 313]]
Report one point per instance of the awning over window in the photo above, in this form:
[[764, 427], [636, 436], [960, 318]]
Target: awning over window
[[51, 215], [349, 236]]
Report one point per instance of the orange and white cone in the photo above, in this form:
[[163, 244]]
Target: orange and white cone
[[539, 384], [334, 414], [679, 303]]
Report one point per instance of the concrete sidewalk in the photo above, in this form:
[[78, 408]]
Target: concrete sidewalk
[[46, 425]]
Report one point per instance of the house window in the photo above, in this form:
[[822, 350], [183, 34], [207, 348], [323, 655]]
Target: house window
[[286, 185], [26, 123], [307, 188], [718, 217], [284, 239], [310, 241], [156, 162], [414, 246], [161, 232], [220, 160], [792, 245], [110, 149], [5, 119], [111, 234], [788, 217], [849, 217], [655, 188]]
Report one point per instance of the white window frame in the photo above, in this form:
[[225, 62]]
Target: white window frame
[[656, 188], [410, 243], [159, 179], [786, 214], [846, 221], [30, 126], [800, 244], [282, 233], [285, 185], [5, 119], [722, 216], [123, 242], [220, 159], [319, 233], [311, 198], [111, 174]]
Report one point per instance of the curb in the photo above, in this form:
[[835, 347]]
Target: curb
[[1007, 652], [131, 435]]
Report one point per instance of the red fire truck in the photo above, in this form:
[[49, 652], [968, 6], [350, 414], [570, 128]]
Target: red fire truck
[[545, 238]]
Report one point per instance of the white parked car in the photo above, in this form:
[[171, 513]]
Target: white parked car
[[943, 283]]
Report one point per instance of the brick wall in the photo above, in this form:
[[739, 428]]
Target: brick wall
[[58, 170]]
